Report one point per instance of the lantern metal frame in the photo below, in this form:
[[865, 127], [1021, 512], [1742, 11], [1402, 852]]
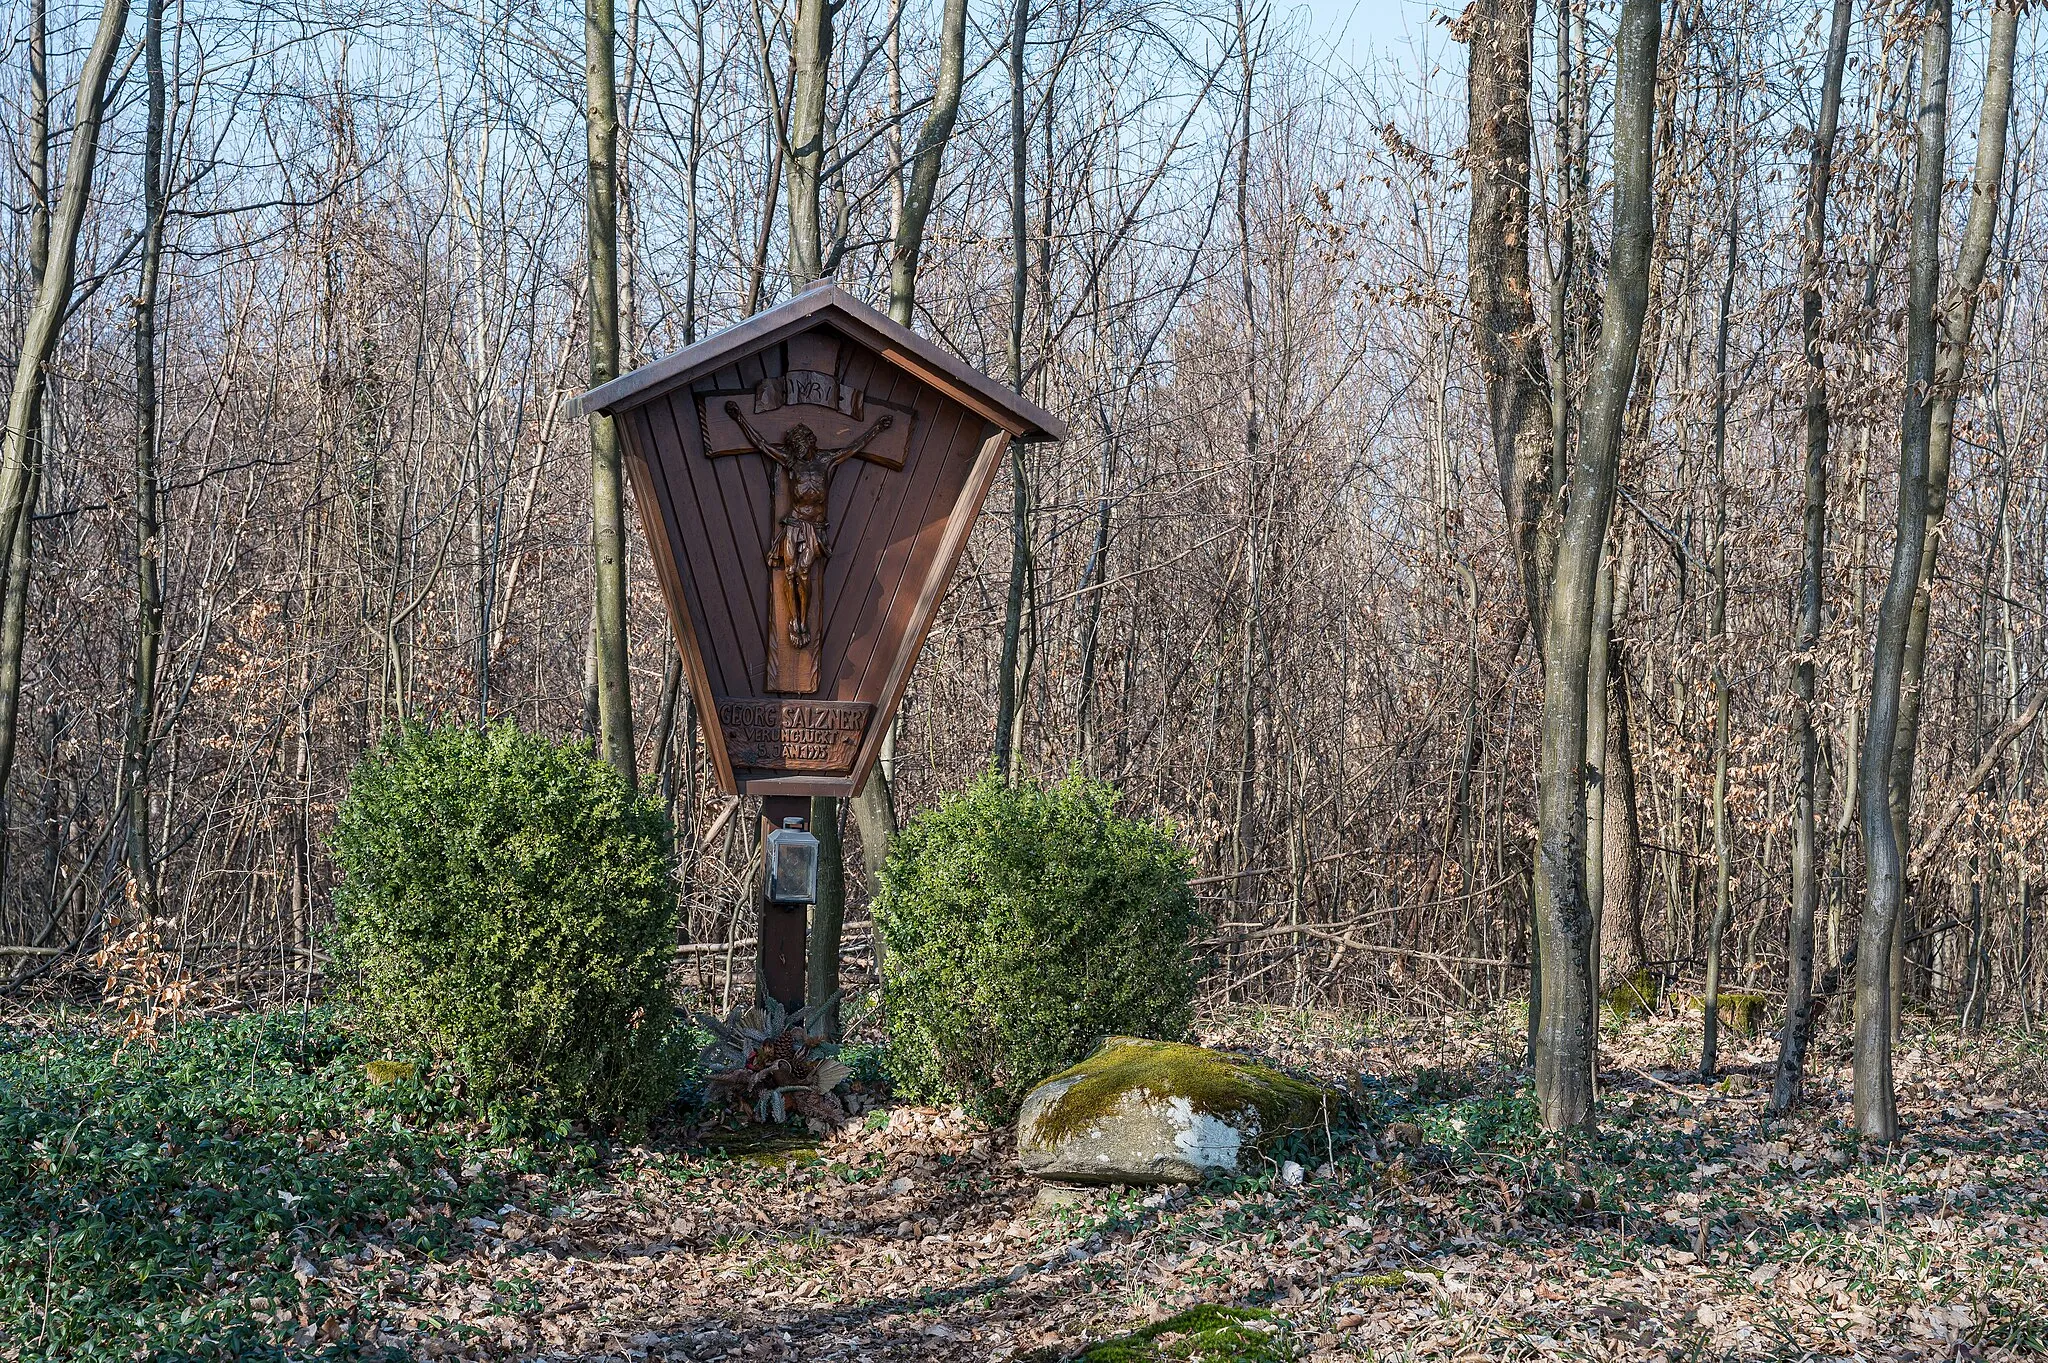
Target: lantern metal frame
[[792, 864]]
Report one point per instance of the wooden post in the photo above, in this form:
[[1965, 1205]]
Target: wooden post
[[782, 937]]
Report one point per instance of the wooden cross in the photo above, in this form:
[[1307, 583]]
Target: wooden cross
[[806, 424]]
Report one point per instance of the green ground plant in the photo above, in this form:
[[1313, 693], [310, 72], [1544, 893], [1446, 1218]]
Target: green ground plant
[[1023, 924], [155, 1200], [505, 906]]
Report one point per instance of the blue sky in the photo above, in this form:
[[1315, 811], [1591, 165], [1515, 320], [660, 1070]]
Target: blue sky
[[1358, 28]]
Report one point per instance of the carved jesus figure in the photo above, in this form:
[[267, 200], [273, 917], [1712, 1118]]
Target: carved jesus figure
[[800, 540]]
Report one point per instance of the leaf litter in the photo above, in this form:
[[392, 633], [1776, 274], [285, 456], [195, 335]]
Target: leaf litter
[[1686, 1226]]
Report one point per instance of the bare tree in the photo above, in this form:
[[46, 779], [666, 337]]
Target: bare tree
[[1518, 397], [811, 64], [1876, 1106], [1565, 1042], [19, 465], [1805, 868], [1012, 670], [149, 603], [607, 470]]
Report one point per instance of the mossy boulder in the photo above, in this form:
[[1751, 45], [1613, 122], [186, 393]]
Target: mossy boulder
[[1740, 1013], [1202, 1334], [1139, 1111]]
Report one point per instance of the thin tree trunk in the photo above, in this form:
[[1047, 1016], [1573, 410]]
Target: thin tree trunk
[[1596, 756], [38, 263], [926, 162], [1798, 1025], [1518, 390], [1952, 357], [874, 805], [607, 471], [1563, 331], [13, 622], [1621, 923], [1564, 1042], [1008, 682], [1718, 645], [19, 455], [1258, 487], [828, 913], [811, 54], [149, 602], [1876, 1107]]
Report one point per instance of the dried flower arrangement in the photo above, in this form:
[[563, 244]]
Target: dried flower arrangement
[[768, 1065]]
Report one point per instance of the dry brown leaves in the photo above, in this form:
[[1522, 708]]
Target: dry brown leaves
[[919, 1240]]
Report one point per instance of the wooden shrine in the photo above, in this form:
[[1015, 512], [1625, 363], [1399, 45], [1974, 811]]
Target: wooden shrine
[[807, 480]]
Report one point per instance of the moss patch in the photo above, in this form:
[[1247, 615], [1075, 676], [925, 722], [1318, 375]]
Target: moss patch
[[1740, 1013], [1202, 1334], [1378, 1281], [1635, 995], [767, 1146], [1214, 1084], [381, 1073]]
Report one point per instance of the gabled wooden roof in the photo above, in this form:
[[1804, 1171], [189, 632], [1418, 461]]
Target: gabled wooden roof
[[825, 302]]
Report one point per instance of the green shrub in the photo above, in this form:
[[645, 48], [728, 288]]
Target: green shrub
[[1021, 926], [506, 906]]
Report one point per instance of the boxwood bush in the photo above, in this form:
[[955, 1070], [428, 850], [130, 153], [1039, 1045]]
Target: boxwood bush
[[1021, 924], [506, 907]]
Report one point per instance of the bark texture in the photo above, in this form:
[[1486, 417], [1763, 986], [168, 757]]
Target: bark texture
[[607, 470]]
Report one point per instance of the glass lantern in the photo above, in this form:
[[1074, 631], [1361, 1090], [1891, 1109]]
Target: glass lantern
[[792, 864]]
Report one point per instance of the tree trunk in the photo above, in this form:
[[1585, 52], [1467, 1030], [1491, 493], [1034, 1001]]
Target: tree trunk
[[932, 135], [1564, 1043], [1008, 688], [45, 321], [1798, 1025], [1623, 952], [811, 56], [1596, 757], [1710, 1009], [38, 261], [821, 974], [149, 602], [874, 807], [1952, 356], [1876, 1108], [1518, 392], [607, 472]]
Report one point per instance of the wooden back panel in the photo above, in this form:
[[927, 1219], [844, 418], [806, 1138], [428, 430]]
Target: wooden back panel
[[893, 538]]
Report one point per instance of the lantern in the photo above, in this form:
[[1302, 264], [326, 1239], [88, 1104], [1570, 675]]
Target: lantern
[[792, 864]]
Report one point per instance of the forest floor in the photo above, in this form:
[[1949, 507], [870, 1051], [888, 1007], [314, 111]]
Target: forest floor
[[1686, 1226]]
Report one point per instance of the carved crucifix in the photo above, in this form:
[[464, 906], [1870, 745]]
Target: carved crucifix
[[799, 547], [806, 424]]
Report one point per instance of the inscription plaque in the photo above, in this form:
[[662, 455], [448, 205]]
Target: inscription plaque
[[794, 735]]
